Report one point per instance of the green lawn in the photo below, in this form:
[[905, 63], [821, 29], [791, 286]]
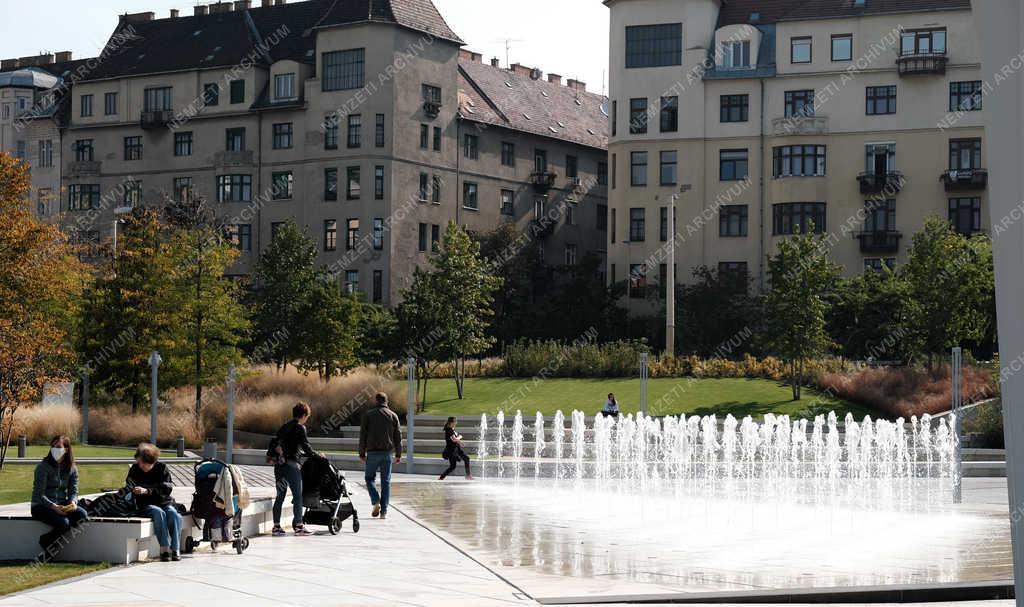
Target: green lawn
[[16, 480], [81, 451], [740, 397], [18, 576]]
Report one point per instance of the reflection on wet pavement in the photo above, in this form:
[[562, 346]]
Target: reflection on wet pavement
[[586, 541]]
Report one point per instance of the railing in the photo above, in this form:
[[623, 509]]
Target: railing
[[542, 181], [879, 241], [156, 119], [877, 183], [431, 108], [960, 180], [921, 63]]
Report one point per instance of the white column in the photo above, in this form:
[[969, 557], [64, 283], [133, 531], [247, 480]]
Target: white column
[[1000, 36]]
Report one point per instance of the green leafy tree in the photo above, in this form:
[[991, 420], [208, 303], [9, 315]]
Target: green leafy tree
[[514, 257], [868, 316], [717, 315], [801, 274], [378, 335], [328, 333], [284, 282], [951, 287]]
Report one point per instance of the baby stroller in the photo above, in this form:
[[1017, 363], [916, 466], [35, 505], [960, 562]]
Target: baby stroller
[[323, 489], [218, 527]]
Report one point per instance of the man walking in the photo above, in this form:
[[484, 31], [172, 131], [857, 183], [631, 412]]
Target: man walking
[[380, 436]]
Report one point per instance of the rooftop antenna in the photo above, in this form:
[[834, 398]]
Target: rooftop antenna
[[604, 88], [508, 49]]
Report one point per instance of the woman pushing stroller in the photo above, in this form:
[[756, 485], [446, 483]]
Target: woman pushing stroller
[[454, 449]]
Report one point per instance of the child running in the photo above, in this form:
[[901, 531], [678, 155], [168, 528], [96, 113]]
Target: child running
[[453, 449]]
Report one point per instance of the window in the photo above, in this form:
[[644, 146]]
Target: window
[[638, 168], [110, 104], [735, 108], [235, 140], [211, 93], [378, 234], [842, 47], [238, 91], [923, 42], [638, 116], [284, 86], [424, 136], [46, 153], [615, 118], [669, 169], [351, 282], [570, 254], [602, 218], [437, 139], [331, 132], [800, 50], [234, 188], [239, 235], [83, 150], [799, 103], [355, 130], [880, 215], [540, 212], [669, 114], [663, 224], [570, 213], [471, 147], [615, 175], [282, 139], [132, 193], [469, 193], [43, 205], [789, 217], [800, 161], [86, 108], [435, 190], [182, 189], [733, 165], [354, 187], [540, 160], [21, 150], [732, 221], [330, 184], [183, 144], [378, 286], [424, 186], [614, 226], [435, 237], [736, 54], [965, 96], [281, 184], [431, 94], [637, 225], [965, 215], [157, 99], [275, 227], [733, 271], [508, 154], [602, 173], [344, 70], [352, 235], [133, 148], [331, 235], [378, 135], [378, 183], [423, 237], [874, 264], [572, 169], [964, 154], [654, 45], [880, 158], [508, 198], [881, 100], [637, 280], [83, 197]]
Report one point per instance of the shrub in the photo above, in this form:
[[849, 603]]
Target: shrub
[[116, 425], [40, 424], [987, 423]]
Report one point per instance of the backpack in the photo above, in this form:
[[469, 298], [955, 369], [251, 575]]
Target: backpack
[[118, 504], [275, 454]]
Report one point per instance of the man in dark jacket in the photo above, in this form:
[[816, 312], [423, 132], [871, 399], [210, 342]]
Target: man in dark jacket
[[380, 436], [292, 442]]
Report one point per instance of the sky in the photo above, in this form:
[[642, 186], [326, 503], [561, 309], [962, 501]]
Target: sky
[[567, 37]]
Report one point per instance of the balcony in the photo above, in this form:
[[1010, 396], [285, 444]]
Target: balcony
[[881, 183], [239, 158], [965, 180], [431, 108], [800, 125], [879, 242], [156, 119], [922, 64], [542, 181], [543, 228]]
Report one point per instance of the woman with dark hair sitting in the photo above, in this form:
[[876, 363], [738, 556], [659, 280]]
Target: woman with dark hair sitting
[[54, 493], [454, 449], [150, 483]]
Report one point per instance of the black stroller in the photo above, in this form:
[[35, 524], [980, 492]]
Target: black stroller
[[218, 527], [323, 489]]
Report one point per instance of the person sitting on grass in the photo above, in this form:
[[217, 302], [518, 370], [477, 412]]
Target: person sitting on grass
[[454, 449], [150, 482], [54, 493], [611, 407]]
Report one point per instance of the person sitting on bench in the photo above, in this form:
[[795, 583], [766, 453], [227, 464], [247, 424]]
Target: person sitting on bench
[[54, 493], [150, 483]]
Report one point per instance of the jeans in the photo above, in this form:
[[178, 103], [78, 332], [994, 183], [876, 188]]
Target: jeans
[[166, 525], [61, 523], [288, 476], [379, 460]]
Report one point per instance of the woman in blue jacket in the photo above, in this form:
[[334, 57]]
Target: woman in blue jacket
[[54, 493]]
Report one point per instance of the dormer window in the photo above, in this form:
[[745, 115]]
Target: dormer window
[[736, 54], [284, 86]]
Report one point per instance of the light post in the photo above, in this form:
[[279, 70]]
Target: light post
[[410, 417], [154, 365], [118, 220], [670, 278], [230, 398]]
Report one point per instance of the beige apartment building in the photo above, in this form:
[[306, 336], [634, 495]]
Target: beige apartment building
[[363, 121], [863, 116]]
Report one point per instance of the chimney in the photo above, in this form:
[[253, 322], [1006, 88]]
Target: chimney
[[242, 5], [267, 3], [579, 87], [138, 17], [521, 70], [8, 64], [174, 13], [201, 10], [554, 79], [279, 2], [495, 62], [220, 7], [62, 57], [470, 56], [35, 60]]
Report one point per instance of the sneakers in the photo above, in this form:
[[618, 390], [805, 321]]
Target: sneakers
[[443, 476], [165, 557], [302, 531], [278, 531], [376, 510], [175, 556], [383, 515]]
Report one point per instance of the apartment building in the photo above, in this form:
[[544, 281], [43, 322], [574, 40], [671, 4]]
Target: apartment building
[[361, 120], [861, 116]]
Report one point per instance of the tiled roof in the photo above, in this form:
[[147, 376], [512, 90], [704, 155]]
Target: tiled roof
[[499, 97], [773, 11], [224, 39]]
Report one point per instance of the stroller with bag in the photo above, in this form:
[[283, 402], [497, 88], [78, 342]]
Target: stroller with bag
[[214, 478], [323, 489]]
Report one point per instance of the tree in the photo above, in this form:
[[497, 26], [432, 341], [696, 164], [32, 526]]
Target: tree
[[285, 279], [328, 335], [951, 287], [801, 273], [716, 313], [868, 316], [40, 283], [378, 335], [515, 258]]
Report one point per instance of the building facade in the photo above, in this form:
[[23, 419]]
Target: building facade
[[862, 116], [362, 120]]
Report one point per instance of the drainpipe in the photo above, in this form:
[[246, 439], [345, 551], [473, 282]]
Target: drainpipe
[[458, 168], [761, 197], [259, 182]]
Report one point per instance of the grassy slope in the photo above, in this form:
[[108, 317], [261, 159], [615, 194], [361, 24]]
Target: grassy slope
[[16, 481], [16, 576], [664, 396]]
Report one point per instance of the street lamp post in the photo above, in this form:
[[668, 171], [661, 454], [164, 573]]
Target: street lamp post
[[118, 220], [670, 278], [154, 365]]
